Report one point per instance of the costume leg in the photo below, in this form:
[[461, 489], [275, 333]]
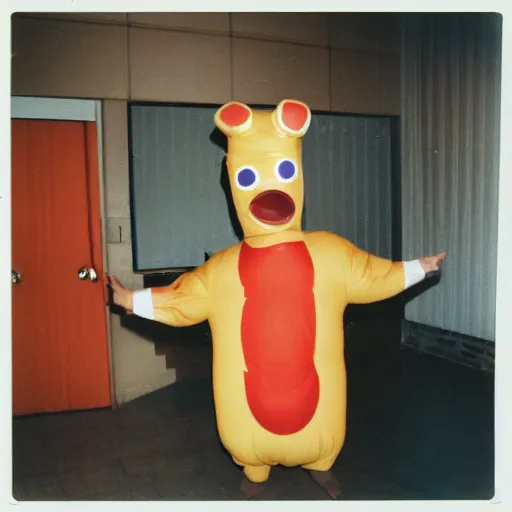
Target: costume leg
[[257, 474], [254, 477]]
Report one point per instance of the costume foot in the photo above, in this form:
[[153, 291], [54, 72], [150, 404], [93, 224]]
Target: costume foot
[[251, 489], [328, 482]]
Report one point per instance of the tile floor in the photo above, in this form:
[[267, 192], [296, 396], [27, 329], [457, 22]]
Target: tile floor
[[418, 428]]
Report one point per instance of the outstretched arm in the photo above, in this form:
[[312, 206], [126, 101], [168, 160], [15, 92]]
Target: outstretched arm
[[371, 279], [183, 303]]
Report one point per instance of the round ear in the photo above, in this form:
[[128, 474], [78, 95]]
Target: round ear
[[233, 118], [292, 117]]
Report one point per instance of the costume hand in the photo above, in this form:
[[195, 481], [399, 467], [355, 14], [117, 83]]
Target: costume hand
[[122, 296], [432, 263]]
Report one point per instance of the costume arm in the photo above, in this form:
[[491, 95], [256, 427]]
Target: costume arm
[[371, 279], [183, 303]]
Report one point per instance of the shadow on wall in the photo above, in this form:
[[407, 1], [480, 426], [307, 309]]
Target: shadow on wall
[[188, 350], [410, 294], [220, 140]]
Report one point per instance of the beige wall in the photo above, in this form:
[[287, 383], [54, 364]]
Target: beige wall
[[338, 62]]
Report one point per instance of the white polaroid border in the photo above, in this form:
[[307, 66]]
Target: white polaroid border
[[504, 289]]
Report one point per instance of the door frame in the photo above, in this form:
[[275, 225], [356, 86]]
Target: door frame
[[71, 109]]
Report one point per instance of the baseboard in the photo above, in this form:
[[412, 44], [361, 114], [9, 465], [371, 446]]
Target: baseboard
[[458, 348]]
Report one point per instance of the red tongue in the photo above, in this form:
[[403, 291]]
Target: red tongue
[[273, 207]]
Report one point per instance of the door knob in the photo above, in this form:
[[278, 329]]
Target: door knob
[[16, 276], [87, 273]]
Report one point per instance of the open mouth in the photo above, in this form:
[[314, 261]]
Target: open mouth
[[273, 207]]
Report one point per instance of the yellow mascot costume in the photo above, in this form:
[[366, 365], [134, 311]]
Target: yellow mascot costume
[[275, 304]]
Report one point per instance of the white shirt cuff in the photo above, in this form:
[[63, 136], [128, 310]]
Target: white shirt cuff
[[414, 273], [143, 304]]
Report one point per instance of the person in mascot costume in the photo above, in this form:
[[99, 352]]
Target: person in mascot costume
[[275, 305]]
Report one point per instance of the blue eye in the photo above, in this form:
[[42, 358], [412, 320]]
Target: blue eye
[[286, 170], [247, 178]]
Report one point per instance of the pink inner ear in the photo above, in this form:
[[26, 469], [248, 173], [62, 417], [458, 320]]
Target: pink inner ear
[[234, 115], [294, 115]]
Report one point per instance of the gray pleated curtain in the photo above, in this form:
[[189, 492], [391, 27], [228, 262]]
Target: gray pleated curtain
[[450, 163]]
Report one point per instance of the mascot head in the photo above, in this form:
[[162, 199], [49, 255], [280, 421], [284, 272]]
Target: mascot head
[[264, 162]]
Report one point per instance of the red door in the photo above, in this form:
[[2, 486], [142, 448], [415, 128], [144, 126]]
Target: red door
[[60, 349]]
